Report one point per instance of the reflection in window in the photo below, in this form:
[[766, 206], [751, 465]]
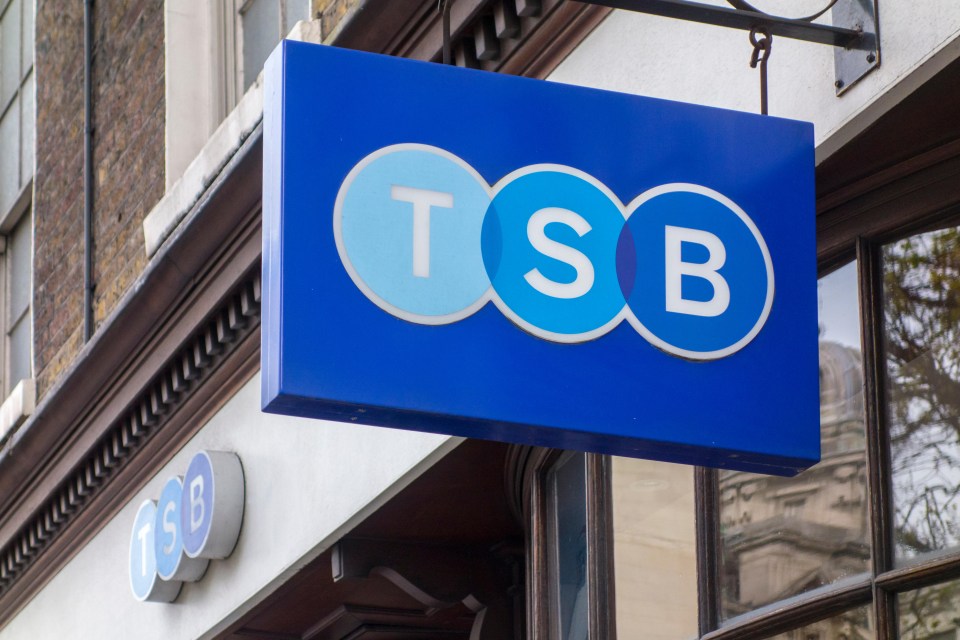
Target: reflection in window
[[264, 23], [16, 100], [931, 613], [784, 536], [921, 287], [654, 549], [567, 529], [850, 625], [17, 263]]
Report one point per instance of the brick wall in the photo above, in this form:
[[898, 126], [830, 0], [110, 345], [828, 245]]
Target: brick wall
[[58, 185], [128, 156], [330, 12], [129, 145]]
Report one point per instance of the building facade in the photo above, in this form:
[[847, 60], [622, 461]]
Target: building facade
[[131, 164]]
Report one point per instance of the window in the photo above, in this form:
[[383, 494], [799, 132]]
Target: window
[[856, 624], [654, 549], [214, 53], [780, 537], [865, 544], [245, 33], [921, 332], [17, 321], [567, 541], [16, 219], [262, 24], [930, 613], [16, 102], [564, 498]]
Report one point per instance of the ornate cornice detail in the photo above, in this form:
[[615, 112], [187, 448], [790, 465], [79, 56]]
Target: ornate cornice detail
[[213, 341], [520, 37]]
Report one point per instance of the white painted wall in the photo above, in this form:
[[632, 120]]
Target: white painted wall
[[307, 483], [664, 58]]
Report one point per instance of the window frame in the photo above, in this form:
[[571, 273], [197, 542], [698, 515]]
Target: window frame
[[21, 209], [25, 76], [532, 478], [891, 221], [21, 205]]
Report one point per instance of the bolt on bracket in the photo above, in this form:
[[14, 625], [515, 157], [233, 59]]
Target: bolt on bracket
[[854, 31], [852, 64]]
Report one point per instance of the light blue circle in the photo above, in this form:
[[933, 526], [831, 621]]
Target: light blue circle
[[376, 233], [143, 560], [513, 261], [744, 272], [168, 538]]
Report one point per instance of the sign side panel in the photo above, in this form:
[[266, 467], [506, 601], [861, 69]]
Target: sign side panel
[[272, 216]]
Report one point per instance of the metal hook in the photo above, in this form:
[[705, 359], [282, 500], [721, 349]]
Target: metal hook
[[762, 41], [743, 5]]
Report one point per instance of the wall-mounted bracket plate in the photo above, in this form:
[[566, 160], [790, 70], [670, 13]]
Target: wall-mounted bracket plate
[[854, 32], [853, 63]]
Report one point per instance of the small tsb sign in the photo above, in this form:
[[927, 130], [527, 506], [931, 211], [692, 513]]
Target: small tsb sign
[[196, 519], [468, 253]]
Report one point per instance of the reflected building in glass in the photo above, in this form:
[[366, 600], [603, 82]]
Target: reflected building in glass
[[785, 536]]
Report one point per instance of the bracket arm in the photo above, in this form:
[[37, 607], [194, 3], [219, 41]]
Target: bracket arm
[[748, 20]]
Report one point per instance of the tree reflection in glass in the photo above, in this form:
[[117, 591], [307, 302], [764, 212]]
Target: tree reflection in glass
[[931, 613], [850, 625], [921, 286], [784, 536]]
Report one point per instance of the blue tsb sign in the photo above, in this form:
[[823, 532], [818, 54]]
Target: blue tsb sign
[[495, 257]]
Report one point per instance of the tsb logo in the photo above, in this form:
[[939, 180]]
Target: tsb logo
[[197, 519], [426, 239]]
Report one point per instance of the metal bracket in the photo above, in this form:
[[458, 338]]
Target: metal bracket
[[854, 29], [852, 64]]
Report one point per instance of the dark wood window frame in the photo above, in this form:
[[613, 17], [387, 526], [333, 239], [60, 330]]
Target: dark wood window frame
[[888, 184], [530, 471]]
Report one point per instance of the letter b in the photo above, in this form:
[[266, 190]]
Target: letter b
[[676, 268], [197, 506]]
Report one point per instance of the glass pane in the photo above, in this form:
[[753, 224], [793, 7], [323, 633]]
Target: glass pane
[[18, 269], [26, 49], [18, 346], [851, 625], [261, 33], [9, 158], [784, 536], [654, 549], [921, 288], [567, 487], [9, 53], [26, 134], [931, 613]]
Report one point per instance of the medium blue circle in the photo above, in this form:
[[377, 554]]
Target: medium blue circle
[[196, 512], [143, 560], [512, 260], [642, 257], [168, 539], [378, 235]]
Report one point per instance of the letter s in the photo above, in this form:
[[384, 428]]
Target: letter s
[[536, 227], [169, 528]]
